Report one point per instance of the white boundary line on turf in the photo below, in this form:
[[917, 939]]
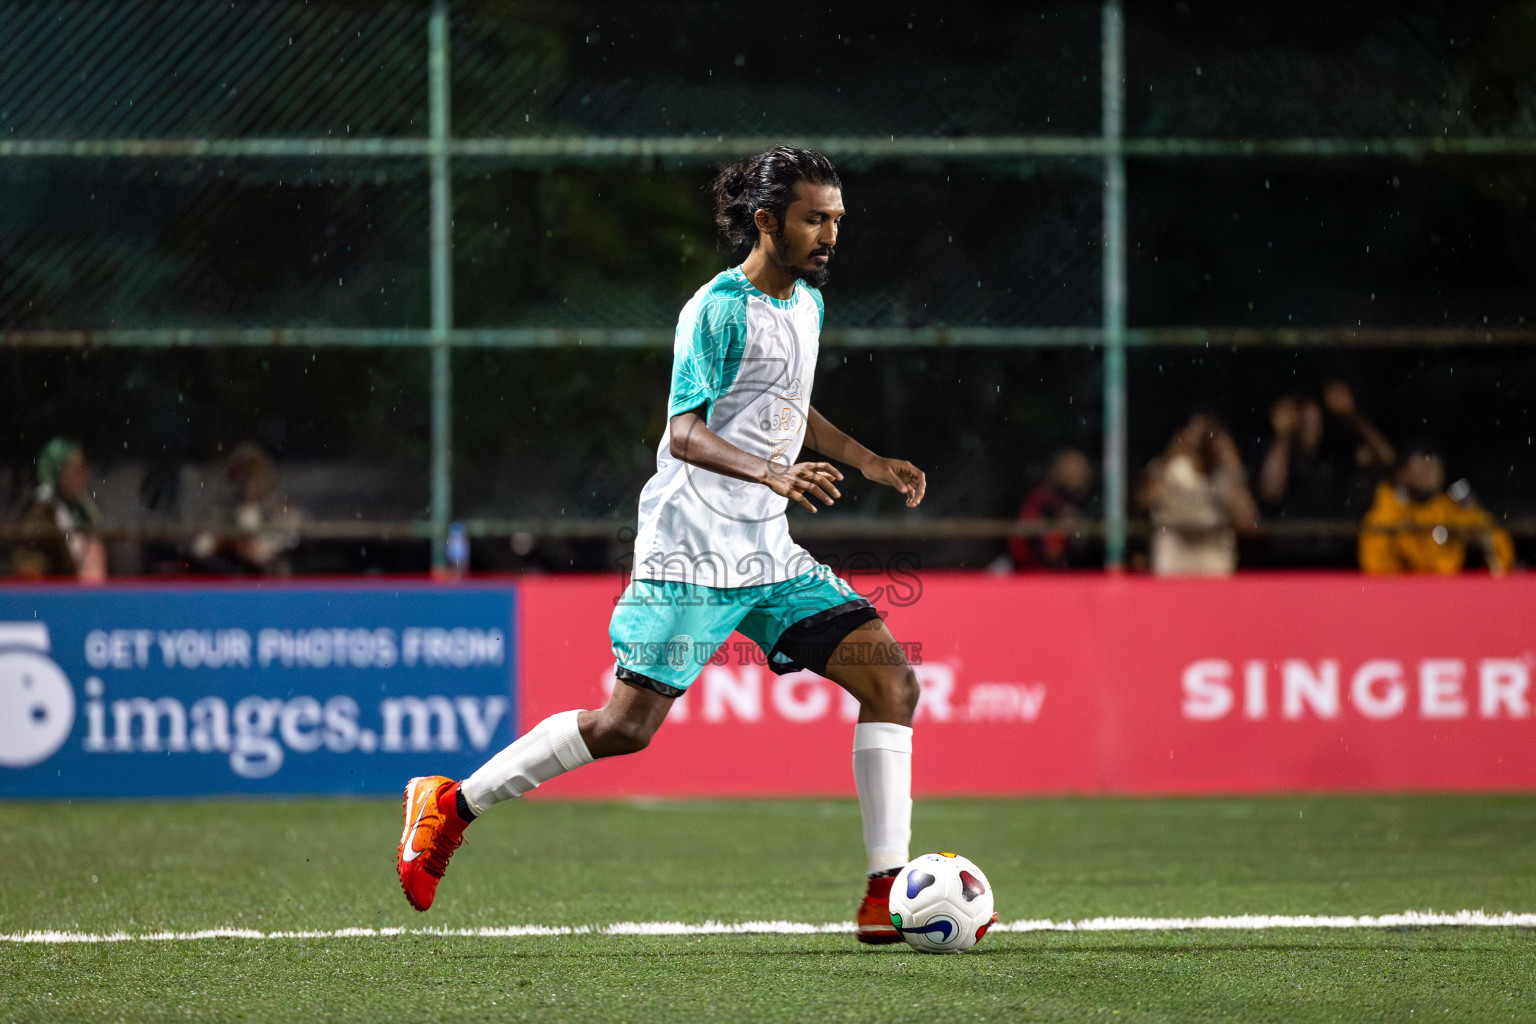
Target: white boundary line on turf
[[1246, 922]]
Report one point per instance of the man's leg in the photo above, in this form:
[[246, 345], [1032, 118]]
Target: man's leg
[[867, 664], [564, 742], [437, 809]]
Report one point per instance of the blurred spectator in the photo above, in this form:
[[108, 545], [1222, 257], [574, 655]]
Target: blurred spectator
[[1320, 467], [255, 525], [1417, 524], [1059, 497], [63, 522], [1197, 495]]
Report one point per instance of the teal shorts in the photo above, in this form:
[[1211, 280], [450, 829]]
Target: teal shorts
[[664, 633]]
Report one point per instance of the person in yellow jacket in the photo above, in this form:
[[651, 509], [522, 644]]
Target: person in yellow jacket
[[1417, 525]]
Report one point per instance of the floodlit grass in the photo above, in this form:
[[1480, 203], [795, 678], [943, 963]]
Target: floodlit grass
[[320, 865]]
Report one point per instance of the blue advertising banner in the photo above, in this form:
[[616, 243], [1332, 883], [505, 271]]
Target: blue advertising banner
[[164, 691]]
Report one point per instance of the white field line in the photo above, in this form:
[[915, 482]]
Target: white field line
[[1246, 922]]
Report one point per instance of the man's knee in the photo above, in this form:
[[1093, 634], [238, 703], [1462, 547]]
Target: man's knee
[[908, 690], [613, 735], [896, 692]]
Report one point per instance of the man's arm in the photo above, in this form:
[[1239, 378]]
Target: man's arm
[[1275, 470], [691, 440], [1340, 401], [822, 436], [1476, 524], [1232, 484]]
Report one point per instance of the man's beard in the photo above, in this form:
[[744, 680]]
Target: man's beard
[[816, 277]]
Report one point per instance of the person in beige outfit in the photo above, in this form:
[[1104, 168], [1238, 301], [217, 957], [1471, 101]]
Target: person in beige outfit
[[1196, 493]]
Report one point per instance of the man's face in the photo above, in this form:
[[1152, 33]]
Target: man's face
[[1074, 474], [1423, 474], [803, 245]]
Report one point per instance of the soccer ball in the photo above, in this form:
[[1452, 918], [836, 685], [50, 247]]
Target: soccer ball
[[941, 903]]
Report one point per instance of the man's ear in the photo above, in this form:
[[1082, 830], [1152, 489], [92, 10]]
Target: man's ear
[[765, 221]]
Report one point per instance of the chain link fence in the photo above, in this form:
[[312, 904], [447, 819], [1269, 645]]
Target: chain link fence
[[221, 230]]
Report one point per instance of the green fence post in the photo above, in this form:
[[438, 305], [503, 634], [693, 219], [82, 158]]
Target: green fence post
[[442, 283], [1114, 289]]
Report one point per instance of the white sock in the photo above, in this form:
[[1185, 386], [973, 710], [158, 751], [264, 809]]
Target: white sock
[[553, 747], [882, 770]]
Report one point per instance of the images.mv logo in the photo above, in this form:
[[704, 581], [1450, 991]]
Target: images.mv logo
[[254, 733]]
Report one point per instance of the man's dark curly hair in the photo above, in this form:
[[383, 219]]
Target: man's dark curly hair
[[765, 182]]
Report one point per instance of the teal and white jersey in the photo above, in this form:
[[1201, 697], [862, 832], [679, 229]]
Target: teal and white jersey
[[748, 359]]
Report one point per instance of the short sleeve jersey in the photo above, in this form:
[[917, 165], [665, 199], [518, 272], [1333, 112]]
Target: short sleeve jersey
[[745, 360]]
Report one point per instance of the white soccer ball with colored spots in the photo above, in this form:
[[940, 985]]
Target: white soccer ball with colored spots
[[941, 903]]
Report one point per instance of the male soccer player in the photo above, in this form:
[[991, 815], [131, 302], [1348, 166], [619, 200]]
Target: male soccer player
[[713, 552]]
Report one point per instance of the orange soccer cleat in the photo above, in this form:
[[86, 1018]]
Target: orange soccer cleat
[[874, 919], [433, 830]]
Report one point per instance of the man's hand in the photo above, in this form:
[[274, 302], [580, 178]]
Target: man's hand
[[900, 474], [1225, 450], [804, 478]]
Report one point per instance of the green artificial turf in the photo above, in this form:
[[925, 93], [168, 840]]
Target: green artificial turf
[[321, 865]]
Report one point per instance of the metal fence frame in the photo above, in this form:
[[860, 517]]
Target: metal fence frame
[[439, 148]]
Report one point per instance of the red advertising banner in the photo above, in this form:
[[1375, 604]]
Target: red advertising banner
[[1076, 684]]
